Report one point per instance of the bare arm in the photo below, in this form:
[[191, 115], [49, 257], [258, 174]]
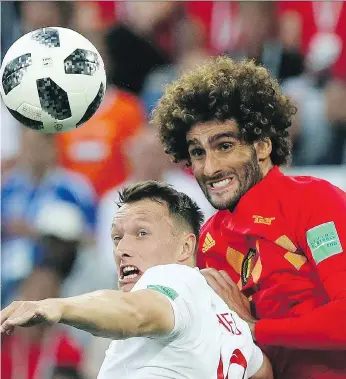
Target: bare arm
[[119, 315], [105, 313]]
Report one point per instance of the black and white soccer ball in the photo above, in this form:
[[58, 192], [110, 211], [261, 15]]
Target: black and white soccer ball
[[52, 80]]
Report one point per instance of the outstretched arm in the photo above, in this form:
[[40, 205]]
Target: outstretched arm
[[105, 313]]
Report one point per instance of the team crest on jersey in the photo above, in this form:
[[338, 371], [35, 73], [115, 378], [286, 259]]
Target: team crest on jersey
[[263, 220], [208, 243], [248, 265]]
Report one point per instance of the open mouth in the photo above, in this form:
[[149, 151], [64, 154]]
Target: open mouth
[[220, 184], [129, 272]]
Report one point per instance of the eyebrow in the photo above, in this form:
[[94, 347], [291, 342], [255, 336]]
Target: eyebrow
[[214, 138], [135, 221]]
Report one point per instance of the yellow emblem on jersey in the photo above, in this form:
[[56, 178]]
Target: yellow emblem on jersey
[[263, 220], [208, 243]]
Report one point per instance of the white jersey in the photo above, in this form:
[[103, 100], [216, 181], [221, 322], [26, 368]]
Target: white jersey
[[207, 338]]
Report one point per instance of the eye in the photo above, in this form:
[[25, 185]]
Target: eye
[[196, 152], [116, 238], [142, 233], [225, 146]]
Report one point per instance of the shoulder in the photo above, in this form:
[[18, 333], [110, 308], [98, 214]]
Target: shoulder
[[308, 188], [304, 201], [215, 221], [303, 181], [175, 272], [179, 278]]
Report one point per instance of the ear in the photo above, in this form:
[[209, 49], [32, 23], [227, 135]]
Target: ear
[[188, 247], [263, 148]]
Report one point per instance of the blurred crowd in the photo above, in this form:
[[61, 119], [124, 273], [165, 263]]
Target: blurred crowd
[[59, 192]]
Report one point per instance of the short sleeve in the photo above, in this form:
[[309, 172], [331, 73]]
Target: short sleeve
[[178, 284], [323, 236], [255, 361]]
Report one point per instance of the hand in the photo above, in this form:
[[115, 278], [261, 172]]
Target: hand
[[30, 313], [223, 285]]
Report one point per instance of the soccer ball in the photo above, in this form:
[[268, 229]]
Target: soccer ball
[[52, 80]]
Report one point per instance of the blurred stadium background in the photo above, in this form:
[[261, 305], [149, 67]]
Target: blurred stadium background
[[58, 192]]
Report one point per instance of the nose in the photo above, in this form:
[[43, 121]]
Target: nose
[[211, 165], [121, 255], [123, 248], [124, 254]]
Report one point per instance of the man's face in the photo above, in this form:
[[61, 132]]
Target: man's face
[[144, 236], [224, 166]]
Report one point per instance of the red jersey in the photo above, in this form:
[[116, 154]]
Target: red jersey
[[284, 245]]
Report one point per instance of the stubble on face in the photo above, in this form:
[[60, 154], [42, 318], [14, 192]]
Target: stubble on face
[[224, 165], [247, 176]]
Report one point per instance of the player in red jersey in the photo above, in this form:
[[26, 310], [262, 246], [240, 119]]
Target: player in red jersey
[[280, 239]]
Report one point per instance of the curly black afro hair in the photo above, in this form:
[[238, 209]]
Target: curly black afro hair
[[222, 89]]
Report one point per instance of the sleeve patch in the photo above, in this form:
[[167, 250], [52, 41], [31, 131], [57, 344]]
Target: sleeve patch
[[169, 292], [324, 241]]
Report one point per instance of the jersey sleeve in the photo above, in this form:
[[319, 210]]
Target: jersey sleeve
[[176, 283], [322, 237], [239, 353], [255, 361]]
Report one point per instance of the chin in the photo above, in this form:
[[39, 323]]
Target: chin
[[220, 206], [221, 203], [224, 200]]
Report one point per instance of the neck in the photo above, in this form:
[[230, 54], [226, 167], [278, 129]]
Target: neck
[[266, 166], [191, 262]]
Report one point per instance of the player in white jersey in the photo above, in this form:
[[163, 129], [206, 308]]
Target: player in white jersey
[[166, 321]]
